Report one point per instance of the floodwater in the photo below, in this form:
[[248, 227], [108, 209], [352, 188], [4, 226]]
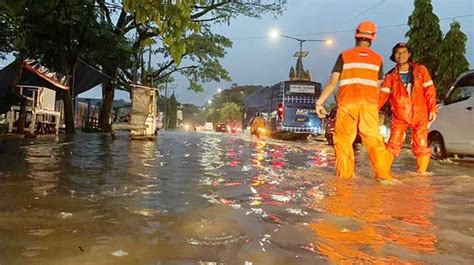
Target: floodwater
[[208, 198]]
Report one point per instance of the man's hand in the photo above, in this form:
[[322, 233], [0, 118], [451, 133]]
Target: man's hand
[[320, 111], [431, 117]]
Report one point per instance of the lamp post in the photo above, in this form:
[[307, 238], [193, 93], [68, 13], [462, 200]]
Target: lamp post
[[275, 34], [298, 73], [301, 41]]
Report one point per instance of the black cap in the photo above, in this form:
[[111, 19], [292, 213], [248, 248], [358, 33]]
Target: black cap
[[398, 45]]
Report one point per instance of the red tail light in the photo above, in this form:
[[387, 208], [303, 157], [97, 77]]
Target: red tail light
[[280, 111]]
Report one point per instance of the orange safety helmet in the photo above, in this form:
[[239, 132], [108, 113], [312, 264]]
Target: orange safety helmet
[[366, 29]]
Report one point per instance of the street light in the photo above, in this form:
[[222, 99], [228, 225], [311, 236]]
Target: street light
[[209, 101], [275, 34]]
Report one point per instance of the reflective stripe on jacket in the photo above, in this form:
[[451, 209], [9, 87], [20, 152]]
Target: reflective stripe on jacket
[[415, 107], [358, 83]]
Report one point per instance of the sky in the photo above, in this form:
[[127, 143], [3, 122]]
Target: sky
[[256, 59]]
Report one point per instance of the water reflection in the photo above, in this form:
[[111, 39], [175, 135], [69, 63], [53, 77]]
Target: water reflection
[[375, 224], [43, 166], [204, 197]]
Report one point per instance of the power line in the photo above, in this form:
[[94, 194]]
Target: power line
[[348, 30], [360, 14]]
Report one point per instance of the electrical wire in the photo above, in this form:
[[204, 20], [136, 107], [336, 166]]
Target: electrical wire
[[347, 30], [360, 14]]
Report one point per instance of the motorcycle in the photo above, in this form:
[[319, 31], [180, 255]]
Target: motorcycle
[[260, 132]]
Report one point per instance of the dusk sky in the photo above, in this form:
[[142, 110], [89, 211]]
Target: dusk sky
[[257, 59]]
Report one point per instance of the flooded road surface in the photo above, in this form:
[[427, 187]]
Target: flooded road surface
[[206, 198]]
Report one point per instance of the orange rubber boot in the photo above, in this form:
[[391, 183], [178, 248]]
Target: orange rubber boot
[[422, 163]]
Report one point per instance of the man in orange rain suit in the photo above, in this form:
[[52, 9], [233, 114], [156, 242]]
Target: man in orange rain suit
[[413, 98], [358, 71]]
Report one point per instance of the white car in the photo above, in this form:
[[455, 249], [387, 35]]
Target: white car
[[453, 130]]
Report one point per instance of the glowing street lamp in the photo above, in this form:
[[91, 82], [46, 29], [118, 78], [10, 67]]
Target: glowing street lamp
[[219, 90]]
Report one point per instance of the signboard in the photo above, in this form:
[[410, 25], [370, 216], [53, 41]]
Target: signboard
[[302, 89]]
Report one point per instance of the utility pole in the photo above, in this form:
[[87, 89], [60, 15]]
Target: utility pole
[[165, 111], [150, 74]]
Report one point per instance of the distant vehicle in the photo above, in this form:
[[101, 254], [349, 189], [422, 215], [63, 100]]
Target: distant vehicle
[[453, 130], [232, 127], [287, 107], [221, 127], [329, 127], [208, 126], [330, 123]]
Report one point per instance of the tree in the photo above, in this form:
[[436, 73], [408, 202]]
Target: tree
[[177, 28], [13, 36], [452, 60], [6, 32], [58, 33], [201, 60], [236, 94], [184, 31], [175, 21], [192, 114], [115, 30], [64, 31], [229, 112], [172, 113], [424, 35]]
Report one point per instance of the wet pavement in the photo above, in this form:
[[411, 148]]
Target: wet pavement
[[209, 198]]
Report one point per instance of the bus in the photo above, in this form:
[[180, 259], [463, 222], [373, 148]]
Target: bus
[[288, 108]]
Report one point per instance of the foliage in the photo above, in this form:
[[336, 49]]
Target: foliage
[[174, 21], [201, 60], [6, 32], [12, 26], [193, 114], [235, 94], [229, 112], [424, 35], [108, 47], [452, 58], [172, 112]]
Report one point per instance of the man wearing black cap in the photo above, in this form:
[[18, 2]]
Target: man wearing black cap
[[412, 95]]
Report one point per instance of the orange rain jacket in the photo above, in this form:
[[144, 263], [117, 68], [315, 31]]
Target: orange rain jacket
[[358, 83], [414, 108]]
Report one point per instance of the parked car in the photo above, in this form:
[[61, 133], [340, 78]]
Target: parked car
[[221, 127], [453, 130]]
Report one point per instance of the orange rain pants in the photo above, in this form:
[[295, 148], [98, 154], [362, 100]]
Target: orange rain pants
[[362, 118], [419, 137]]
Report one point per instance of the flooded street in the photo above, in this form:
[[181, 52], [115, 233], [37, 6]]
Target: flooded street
[[208, 198]]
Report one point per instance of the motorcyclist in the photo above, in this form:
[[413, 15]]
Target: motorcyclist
[[258, 124]]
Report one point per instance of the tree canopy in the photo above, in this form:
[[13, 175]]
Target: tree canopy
[[229, 112], [444, 57], [452, 60], [424, 35]]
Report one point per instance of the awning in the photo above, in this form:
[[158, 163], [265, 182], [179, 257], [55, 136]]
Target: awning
[[85, 78]]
